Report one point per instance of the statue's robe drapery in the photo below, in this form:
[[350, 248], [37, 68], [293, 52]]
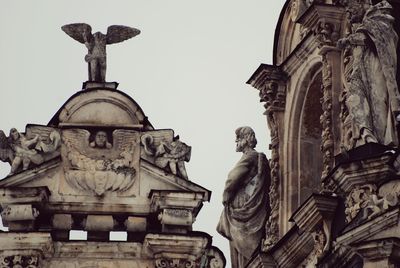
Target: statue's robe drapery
[[244, 216], [372, 89]]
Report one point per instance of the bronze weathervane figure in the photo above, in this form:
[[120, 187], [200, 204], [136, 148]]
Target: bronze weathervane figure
[[96, 45]]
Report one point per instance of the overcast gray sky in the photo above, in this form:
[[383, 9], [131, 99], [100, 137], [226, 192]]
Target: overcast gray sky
[[187, 70]]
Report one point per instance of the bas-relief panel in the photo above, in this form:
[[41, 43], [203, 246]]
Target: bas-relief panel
[[100, 162], [100, 263]]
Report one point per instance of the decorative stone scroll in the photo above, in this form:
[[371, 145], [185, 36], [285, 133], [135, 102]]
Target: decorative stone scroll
[[163, 262], [33, 148], [19, 261], [100, 166], [175, 251]]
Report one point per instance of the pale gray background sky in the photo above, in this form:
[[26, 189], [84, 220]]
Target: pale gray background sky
[[187, 70]]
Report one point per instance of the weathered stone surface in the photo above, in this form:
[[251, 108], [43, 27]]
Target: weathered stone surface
[[334, 132], [101, 167], [372, 104], [99, 223], [136, 224], [38, 145]]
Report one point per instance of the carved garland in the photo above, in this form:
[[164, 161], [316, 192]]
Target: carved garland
[[274, 100], [272, 227], [326, 117]]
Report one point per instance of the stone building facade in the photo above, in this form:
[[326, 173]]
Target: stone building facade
[[100, 166], [332, 103]]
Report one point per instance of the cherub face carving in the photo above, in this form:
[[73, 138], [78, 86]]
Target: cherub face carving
[[101, 141]]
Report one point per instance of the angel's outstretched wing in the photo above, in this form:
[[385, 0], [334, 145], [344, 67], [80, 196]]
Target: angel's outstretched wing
[[6, 153], [119, 33], [125, 139], [77, 139], [81, 32]]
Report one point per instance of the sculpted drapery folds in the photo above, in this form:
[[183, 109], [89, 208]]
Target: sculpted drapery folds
[[245, 200], [372, 96]]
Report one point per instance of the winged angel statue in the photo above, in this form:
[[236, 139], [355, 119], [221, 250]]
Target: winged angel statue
[[100, 169], [22, 151], [96, 44]]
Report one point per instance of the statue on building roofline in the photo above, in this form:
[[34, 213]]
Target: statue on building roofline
[[96, 45], [372, 97], [245, 200]]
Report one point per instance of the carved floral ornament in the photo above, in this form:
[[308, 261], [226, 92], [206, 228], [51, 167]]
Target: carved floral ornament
[[19, 261], [369, 201]]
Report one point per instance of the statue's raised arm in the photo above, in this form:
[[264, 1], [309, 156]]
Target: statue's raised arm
[[96, 45]]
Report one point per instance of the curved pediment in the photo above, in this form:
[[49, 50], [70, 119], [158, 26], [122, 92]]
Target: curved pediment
[[101, 107]]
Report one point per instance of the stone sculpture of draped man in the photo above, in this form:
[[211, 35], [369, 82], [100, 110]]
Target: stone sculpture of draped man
[[245, 200], [372, 93]]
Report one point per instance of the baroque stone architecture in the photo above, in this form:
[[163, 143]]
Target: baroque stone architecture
[[100, 166], [331, 101]]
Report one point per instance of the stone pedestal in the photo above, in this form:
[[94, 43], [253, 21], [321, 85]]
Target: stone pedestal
[[97, 85]]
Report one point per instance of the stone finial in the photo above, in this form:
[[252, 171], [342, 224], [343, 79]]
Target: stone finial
[[96, 45]]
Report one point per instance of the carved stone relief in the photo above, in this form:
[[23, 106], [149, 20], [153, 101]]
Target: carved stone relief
[[166, 153], [100, 166], [272, 91], [327, 33], [387, 196], [19, 261], [33, 148], [215, 259], [358, 199], [174, 263], [327, 141]]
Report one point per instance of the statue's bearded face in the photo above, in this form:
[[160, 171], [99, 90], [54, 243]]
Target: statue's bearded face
[[241, 144], [101, 139]]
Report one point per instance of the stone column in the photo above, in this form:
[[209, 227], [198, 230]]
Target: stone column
[[271, 82]]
